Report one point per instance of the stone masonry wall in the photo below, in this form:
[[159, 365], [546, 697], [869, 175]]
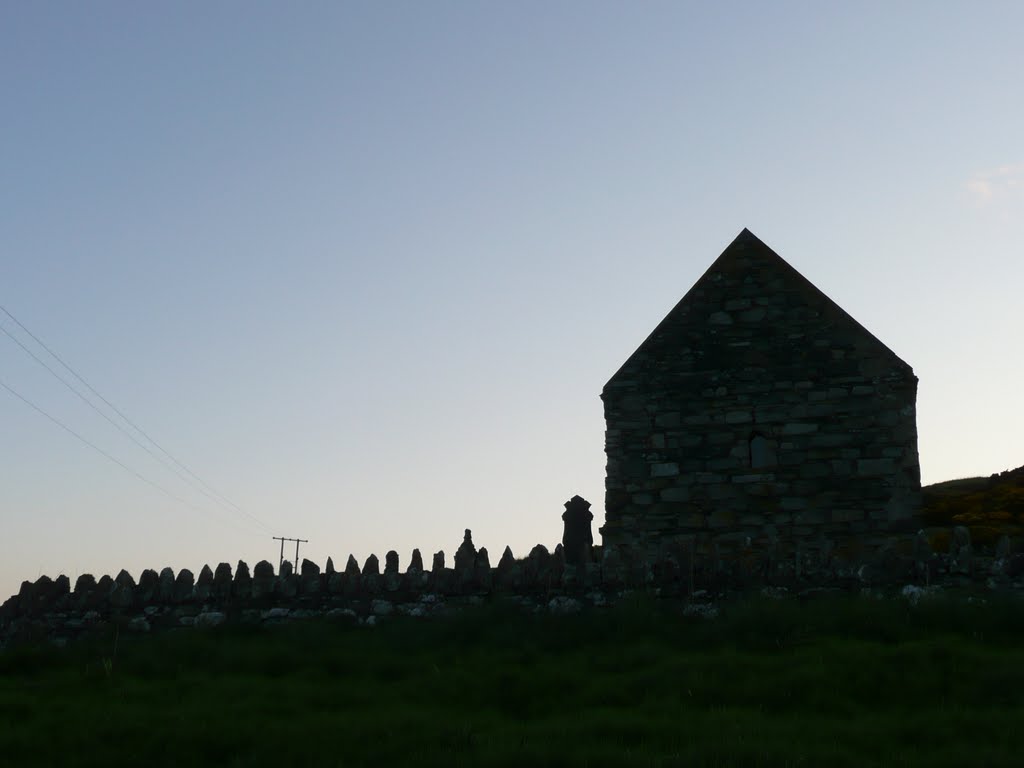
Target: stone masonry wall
[[759, 411]]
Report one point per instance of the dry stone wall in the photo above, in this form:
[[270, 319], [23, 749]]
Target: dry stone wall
[[57, 610]]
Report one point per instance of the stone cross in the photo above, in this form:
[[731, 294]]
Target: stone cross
[[577, 538]]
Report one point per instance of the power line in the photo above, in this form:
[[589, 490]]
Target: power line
[[109, 420], [209, 491], [99, 450], [92, 405]]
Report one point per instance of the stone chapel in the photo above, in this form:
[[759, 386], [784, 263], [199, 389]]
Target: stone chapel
[[759, 408]]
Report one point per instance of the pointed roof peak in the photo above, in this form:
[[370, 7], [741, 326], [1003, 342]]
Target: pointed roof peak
[[746, 235], [748, 258]]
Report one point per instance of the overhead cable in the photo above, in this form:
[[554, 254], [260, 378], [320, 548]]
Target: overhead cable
[[209, 491], [100, 451]]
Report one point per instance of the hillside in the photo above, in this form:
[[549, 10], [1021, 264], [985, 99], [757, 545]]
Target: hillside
[[989, 506]]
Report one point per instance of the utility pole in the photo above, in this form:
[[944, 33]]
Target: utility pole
[[282, 539]]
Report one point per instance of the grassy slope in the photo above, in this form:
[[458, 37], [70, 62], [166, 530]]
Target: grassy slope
[[856, 682], [989, 506]]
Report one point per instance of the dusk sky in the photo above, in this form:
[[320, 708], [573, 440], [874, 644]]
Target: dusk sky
[[364, 268]]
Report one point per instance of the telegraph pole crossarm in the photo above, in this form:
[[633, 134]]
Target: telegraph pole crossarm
[[283, 539]]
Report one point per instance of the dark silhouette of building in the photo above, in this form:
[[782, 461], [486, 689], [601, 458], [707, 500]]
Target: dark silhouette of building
[[759, 409]]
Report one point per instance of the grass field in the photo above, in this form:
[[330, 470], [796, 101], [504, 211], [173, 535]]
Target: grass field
[[849, 682]]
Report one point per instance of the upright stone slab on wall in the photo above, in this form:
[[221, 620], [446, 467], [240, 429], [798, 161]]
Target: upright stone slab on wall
[[759, 405]]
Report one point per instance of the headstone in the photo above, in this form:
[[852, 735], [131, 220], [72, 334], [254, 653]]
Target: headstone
[[372, 566], [183, 586], [507, 559], [923, 556], [371, 575], [167, 580], [557, 564], [1001, 561], [204, 584], [62, 591], [37, 597], [442, 580], [612, 569], [124, 579], [392, 578], [415, 578], [1003, 548], [352, 567], [465, 555], [242, 585], [536, 571], [222, 581], [336, 582], [353, 579], [416, 562], [310, 579], [960, 550], [149, 586], [509, 574], [85, 583], [262, 580], [483, 569]]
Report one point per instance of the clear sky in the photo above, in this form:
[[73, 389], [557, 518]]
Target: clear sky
[[365, 267]]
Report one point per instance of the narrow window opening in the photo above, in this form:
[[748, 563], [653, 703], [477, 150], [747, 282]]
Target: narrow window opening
[[762, 452]]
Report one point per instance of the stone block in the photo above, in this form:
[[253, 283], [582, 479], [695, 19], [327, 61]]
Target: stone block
[[809, 517], [665, 469], [847, 515], [875, 467], [717, 465], [721, 518], [677, 494], [831, 439], [671, 419], [815, 469], [797, 428], [701, 419], [691, 520]]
